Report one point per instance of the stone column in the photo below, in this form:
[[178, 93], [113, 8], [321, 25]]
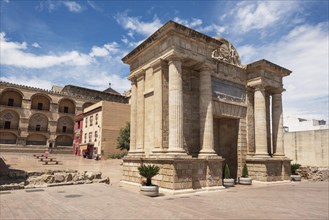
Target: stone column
[[268, 124], [133, 116], [157, 76], [260, 122], [206, 114], [140, 115], [277, 125], [176, 143]]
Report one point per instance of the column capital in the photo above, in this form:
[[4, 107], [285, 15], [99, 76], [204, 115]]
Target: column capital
[[173, 57], [159, 64], [205, 68]]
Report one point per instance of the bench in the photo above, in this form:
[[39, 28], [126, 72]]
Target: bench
[[47, 159], [53, 162]]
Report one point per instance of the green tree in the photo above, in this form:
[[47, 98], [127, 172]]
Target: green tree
[[123, 141]]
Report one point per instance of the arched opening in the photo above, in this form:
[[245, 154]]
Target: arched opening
[[38, 122], [9, 120], [7, 138], [66, 106], [11, 98], [65, 125], [40, 102], [36, 139], [64, 141]]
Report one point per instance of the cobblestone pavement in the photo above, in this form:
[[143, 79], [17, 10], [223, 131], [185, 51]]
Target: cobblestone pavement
[[303, 200]]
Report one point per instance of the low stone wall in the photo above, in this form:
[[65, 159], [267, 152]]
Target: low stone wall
[[177, 173], [314, 173], [269, 169], [18, 179]]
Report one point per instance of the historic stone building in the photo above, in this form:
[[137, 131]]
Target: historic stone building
[[37, 117], [194, 107]]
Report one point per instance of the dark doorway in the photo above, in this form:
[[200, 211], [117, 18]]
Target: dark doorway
[[7, 124], [40, 105], [64, 129], [226, 142]]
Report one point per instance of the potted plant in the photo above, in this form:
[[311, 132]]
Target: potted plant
[[228, 181], [245, 179], [149, 171], [294, 176]]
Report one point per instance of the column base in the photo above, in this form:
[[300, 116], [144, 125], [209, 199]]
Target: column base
[[260, 155], [279, 155]]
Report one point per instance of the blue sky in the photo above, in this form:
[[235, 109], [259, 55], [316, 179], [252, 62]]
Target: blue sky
[[45, 43]]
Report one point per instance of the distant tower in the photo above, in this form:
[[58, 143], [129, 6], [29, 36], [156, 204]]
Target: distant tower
[[109, 84]]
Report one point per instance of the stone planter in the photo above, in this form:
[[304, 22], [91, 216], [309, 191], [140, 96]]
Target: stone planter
[[151, 191], [228, 182], [295, 177], [245, 180]]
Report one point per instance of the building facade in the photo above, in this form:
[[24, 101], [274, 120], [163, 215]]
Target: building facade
[[101, 126], [36, 117], [194, 107]]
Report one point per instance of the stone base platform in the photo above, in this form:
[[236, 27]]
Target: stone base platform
[[177, 173], [268, 169]]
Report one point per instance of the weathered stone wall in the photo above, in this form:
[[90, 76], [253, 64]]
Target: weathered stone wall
[[177, 174], [268, 170], [308, 148]]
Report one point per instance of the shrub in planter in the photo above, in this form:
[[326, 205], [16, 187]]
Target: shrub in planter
[[228, 181], [245, 179], [149, 171], [294, 176]]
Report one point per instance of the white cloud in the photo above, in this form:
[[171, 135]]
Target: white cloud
[[135, 25], [258, 15], [107, 49], [36, 45], [197, 24], [194, 22], [304, 51], [52, 5], [28, 81], [72, 6], [18, 57]]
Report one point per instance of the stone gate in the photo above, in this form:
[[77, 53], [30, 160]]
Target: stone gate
[[195, 107]]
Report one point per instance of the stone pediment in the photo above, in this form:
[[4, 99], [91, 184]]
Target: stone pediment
[[226, 52]]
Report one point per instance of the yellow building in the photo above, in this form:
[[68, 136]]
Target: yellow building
[[101, 126]]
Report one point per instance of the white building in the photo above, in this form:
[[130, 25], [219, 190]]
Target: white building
[[292, 124]]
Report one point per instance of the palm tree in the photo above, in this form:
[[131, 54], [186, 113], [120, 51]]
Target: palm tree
[[148, 171]]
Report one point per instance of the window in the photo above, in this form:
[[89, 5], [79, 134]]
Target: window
[[91, 120], [66, 109], [96, 135], [85, 138], [96, 119], [64, 129], [40, 105], [38, 127], [78, 124], [10, 102], [7, 124], [86, 122], [90, 136]]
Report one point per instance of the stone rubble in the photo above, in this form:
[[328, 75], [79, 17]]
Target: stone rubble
[[314, 173], [18, 179]]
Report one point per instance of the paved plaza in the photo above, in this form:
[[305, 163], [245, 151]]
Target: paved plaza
[[305, 200], [282, 200]]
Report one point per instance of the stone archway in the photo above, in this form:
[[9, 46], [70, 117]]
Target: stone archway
[[11, 97], [66, 106], [64, 141], [65, 125], [36, 139], [8, 138], [9, 119]]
